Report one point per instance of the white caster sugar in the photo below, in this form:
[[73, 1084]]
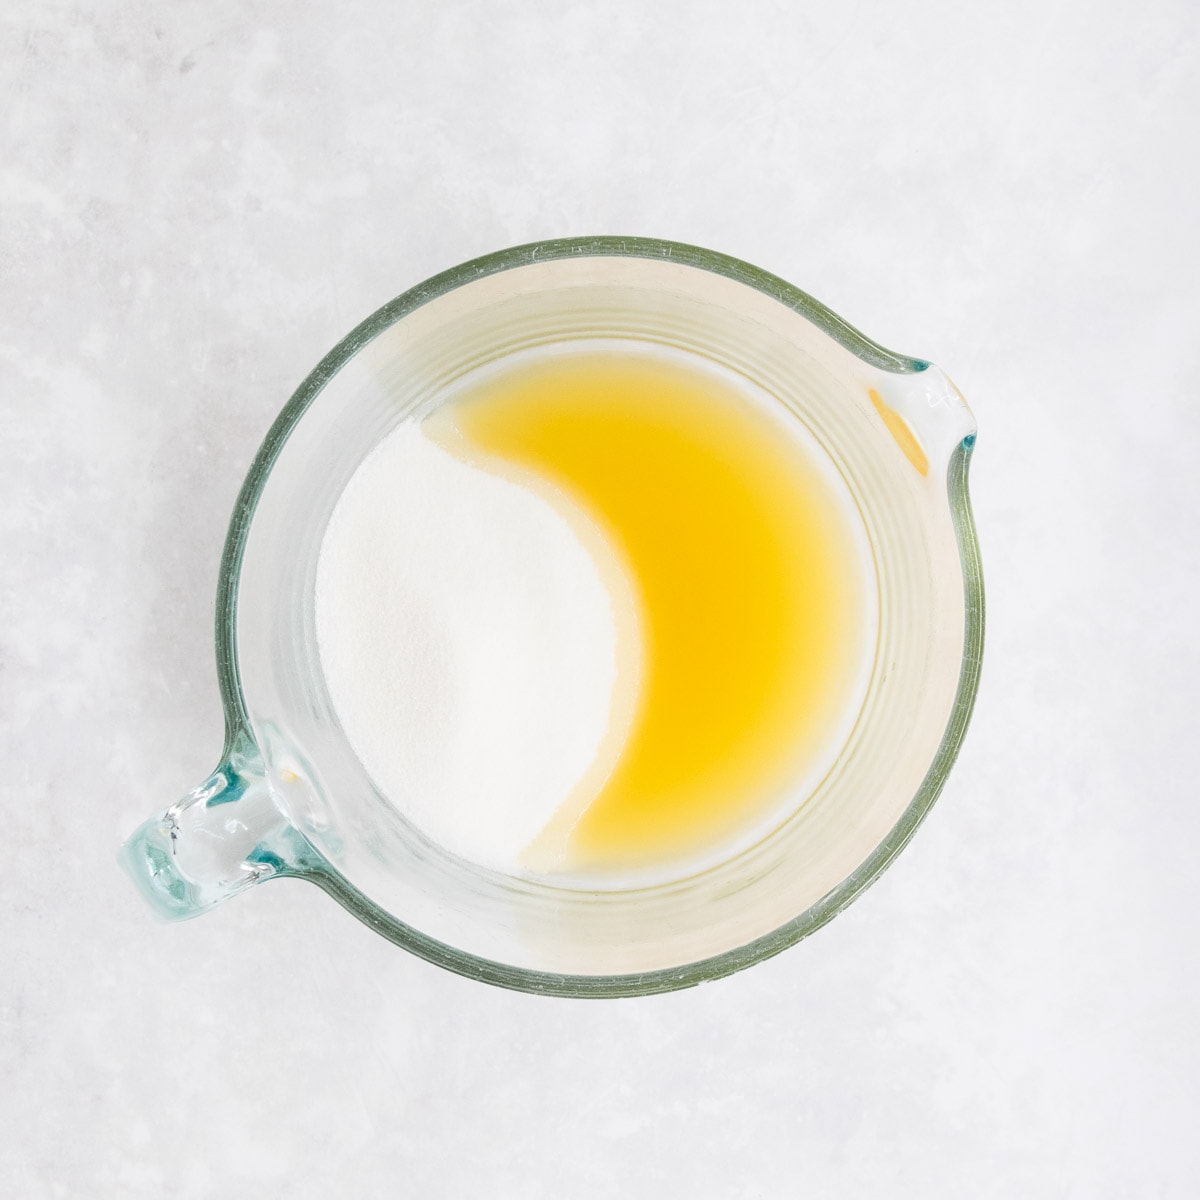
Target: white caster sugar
[[469, 640]]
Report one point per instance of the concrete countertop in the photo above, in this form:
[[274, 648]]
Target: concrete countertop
[[198, 200]]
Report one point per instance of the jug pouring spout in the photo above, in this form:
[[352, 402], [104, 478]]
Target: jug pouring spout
[[220, 838], [927, 417]]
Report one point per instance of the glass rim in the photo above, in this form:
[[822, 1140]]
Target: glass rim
[[314, 867]]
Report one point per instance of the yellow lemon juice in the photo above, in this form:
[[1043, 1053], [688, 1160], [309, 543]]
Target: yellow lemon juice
[[746, 576]]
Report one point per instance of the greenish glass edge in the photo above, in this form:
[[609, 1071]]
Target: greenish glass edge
[[309, 864]]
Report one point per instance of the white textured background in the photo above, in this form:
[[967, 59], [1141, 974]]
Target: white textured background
[[199, 199]]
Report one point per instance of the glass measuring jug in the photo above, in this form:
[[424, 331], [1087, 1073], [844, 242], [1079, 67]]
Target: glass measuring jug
[[291, 798]]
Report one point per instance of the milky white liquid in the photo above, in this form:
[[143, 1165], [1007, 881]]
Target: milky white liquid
[[470, 643]]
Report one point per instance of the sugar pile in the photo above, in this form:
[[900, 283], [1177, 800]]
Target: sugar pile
[[469, 640]]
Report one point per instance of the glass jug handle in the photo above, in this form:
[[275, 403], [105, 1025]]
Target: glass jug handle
[[222, 837]]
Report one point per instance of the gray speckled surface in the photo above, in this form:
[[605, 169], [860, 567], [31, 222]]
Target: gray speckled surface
[[198, 200]]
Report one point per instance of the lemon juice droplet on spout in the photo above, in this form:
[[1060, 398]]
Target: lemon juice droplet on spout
[[746, 581]]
